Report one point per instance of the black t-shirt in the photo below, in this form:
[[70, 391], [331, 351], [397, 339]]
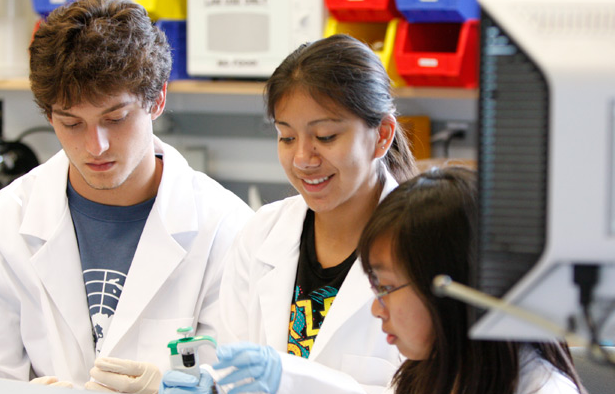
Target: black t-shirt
[[315, 290]]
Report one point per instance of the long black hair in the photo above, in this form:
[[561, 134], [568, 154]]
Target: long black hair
[[431, 220]]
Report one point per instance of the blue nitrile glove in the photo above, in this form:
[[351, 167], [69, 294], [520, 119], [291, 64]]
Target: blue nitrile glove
[[177, 382], [261, 363]]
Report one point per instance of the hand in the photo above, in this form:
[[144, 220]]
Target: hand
[[124, 376], [51, 381], [261, 363], [177, 382]]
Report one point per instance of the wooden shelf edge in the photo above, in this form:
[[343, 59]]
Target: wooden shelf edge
[[217, 87], [435, 93], [15, 84], [256, 88]]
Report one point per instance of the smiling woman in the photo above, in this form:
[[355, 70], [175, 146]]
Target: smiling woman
[[292, 279], [327, 154]]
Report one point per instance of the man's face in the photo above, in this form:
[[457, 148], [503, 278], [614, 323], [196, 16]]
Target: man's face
[[109, 145]]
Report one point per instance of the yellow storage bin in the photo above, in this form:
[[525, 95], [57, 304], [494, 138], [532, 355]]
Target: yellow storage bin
[[380, 36], [164, 9]]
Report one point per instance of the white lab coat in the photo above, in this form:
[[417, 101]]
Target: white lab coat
[[173, 280], [538, 376], [350, 353]]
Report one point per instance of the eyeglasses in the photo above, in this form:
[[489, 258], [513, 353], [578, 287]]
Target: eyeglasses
[[382, 290]]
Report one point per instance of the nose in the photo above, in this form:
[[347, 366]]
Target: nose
[[378, 310], [96, 140], [306, 156]]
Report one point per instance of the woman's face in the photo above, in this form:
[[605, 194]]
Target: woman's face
[[405, 319], [329, 155]]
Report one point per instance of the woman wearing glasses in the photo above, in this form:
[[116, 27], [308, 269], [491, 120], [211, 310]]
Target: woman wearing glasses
[[427, 227]]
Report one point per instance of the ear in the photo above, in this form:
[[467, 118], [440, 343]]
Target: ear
[[386, 133], [158, 106]]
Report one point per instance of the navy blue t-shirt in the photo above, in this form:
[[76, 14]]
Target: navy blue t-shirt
[[107, 237]]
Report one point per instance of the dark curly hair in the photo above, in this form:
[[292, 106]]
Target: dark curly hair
[[89, 49]]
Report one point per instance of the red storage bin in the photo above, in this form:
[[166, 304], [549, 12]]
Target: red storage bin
[[438, 54], [362, 10]]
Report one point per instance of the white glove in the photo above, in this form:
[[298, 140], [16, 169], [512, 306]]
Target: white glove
[[124, 376], [51, 381]]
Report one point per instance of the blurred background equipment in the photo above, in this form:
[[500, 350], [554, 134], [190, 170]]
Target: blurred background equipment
[[16, 23], [546, 167], [16, 158], [248, 39]]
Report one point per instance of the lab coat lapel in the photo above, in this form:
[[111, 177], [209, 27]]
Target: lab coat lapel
[[59, 267], [48, 224], [157, 255], [280, 251], [167, 235], [352, 296]]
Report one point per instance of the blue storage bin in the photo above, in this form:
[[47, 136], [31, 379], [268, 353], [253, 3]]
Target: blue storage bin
[[44, 7], [175, 31], [435, 11]]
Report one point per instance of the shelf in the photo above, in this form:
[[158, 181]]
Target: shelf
[[217, 87], [435, 93], [15, 84], [246, 97], [251, 88], [257, 88]]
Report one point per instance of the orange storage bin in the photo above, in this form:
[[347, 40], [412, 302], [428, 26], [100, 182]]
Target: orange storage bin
[[418, 132], [363, 10], [380, 36], [438, 54]]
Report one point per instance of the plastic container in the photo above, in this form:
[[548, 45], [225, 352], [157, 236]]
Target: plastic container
[[175, 31], [164, 9], [44, 7], [438, 54], [17, 20], [418, 133], [362, 10], [380, 36], [421, 11]]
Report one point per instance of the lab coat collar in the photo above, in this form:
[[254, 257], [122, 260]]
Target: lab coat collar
[[280, 251], [158, 254], [169, 231], [71, 301], [170, 203], [48, 202], [389, 185], [47, 219], [167, 236], [352, 296], [285, 236]]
